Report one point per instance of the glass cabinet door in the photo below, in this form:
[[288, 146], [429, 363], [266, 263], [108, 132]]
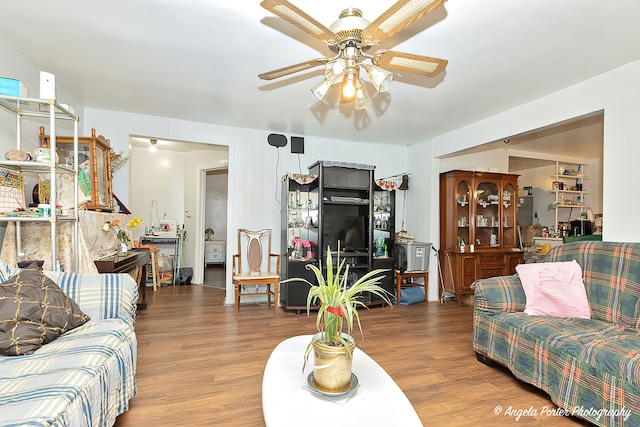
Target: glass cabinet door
[[302, 221], [487, 210], [383, 223], [509, 218], [463, 212]]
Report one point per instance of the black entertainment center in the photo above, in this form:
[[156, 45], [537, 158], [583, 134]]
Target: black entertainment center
[[341, 198]]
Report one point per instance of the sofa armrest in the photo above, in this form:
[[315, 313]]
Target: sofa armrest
[[499, 294], [100, 296]]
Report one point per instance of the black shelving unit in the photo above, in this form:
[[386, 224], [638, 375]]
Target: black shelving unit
[[345, 217], [345, 198]]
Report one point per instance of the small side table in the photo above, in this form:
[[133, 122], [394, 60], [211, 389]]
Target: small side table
[[400, 277]]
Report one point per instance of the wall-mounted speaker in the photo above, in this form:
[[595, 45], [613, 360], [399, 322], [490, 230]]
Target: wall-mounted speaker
[[277, 140], [297, 145]]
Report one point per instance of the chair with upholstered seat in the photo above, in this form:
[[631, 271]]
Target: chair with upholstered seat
[[252, 253]]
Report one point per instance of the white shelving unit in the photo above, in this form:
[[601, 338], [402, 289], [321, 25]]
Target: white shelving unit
[[569, 189], [51, 110]]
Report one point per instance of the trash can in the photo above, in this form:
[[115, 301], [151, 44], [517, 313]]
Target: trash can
[[185, 274]]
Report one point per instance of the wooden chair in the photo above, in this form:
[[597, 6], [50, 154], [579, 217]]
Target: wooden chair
[[400, 283], [255, 276]]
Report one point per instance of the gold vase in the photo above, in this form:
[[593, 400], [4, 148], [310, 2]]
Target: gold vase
[[332, 371]]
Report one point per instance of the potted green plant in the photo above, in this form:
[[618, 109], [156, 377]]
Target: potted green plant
[[333, 345]]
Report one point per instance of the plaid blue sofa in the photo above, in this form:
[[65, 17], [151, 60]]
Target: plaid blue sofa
[[85, 377], [589, 367]]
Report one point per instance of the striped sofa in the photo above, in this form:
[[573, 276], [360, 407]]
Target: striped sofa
[[589, 367], [85, 377]]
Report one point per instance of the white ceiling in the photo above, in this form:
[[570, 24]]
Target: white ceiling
[[199, 60]]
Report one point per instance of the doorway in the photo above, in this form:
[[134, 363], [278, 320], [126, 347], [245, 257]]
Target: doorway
[[170, 177], [215, 223]]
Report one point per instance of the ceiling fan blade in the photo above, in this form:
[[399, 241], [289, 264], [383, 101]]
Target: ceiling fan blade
[[397, 17], [300, 19], [416, 64], [280, 72]]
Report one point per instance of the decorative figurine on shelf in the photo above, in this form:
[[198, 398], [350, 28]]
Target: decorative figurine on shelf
[[208, 234]]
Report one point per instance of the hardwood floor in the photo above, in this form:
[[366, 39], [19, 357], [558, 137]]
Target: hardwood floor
[[198, 366]]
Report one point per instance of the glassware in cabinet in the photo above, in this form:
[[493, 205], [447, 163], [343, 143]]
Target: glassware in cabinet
[[463, 212]]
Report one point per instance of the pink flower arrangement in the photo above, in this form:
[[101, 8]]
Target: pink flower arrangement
[[297, 241]]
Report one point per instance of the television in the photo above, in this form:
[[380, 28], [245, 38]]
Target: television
[[349, 228]]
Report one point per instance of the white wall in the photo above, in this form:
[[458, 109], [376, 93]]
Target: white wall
[[493, 161]]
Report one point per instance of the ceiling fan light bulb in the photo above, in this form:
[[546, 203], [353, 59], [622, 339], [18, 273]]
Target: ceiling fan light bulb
[[380, 77], [349, 89]]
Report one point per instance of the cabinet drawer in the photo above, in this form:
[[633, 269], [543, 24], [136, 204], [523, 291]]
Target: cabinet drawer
[[211, 247], [486, 272], [491, 259], [468, 272]]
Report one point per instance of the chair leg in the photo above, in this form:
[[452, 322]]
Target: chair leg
[[268, 290], [154, 270], [237, 299], [276, 298]]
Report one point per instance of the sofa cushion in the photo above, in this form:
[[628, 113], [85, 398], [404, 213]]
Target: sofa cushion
[[85, 377], [603, 347], [499, 294], [611, 277], [554, 289], [34, 311]]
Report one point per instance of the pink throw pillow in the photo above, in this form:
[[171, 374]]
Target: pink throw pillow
[[554, 289]]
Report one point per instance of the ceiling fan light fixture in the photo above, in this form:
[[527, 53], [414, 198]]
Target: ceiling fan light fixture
[[334, 71], [350, 38], [380, 77], [322, 89], [362, 99]]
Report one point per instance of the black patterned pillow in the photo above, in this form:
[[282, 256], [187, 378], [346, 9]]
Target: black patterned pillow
[[34, 311]]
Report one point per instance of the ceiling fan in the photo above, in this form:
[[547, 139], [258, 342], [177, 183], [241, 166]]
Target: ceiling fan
[[350, 38]]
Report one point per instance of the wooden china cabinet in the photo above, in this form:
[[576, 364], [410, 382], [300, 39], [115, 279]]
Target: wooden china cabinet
[[94, 155], [478, 229]]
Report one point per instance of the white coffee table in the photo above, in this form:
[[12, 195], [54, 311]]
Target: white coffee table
[[287, 400]]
